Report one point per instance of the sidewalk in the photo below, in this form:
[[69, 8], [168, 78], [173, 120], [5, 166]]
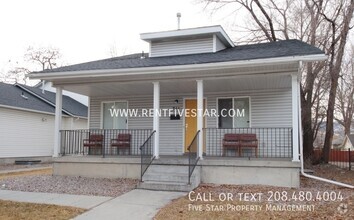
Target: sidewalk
[[80, 201], [134, 205]]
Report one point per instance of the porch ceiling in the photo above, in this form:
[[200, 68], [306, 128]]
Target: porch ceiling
[[240, 83]]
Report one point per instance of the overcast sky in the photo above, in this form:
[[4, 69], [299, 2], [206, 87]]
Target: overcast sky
[[86, 30]]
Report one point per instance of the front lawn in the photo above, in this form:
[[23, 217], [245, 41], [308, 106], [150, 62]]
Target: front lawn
[[21, 210], [313, 200]]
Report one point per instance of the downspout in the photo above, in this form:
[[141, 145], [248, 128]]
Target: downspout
[[301, 151]]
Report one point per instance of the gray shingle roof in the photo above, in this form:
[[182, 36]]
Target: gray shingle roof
[[22, 96], [10, 95], [244, 52]]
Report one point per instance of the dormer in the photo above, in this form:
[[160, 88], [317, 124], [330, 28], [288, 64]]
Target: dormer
[[187, 41]]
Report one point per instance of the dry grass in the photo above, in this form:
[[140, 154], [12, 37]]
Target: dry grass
[[21, 210], [180, 208], [44, 171]]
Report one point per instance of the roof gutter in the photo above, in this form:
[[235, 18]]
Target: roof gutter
[[30, 110], [175, 68]]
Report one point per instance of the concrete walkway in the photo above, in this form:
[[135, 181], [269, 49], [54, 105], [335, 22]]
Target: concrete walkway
[[85, 202], [134, 205]]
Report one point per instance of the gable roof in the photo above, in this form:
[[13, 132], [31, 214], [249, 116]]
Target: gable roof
[[31, 98], [286, 48], [188, 32], [351, 138]]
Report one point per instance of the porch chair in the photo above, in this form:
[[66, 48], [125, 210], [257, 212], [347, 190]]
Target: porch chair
[[239, 141], [94, 143], [122, 141]]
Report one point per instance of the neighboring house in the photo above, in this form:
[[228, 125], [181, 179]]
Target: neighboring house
[[27, 121], [258, 142], [47, 86], [348, 142]]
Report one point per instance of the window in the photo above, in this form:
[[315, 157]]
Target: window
[[114, 115], [224, 107], [234, 112]]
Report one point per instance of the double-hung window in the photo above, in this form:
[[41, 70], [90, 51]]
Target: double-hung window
[[234, 112], [115, 115]]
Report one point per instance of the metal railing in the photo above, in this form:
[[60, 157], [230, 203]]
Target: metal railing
[[193, 156], [104, 142], [146, 154], [270, 142]]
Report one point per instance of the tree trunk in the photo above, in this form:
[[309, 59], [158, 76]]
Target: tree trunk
[[307, 132], [330, 118]]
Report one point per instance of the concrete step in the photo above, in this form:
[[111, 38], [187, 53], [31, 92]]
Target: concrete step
[[172, 177], [153, 168], [165, 186], [182, 160], [169, 178]]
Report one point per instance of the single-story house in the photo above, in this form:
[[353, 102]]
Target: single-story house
[[245, 130], [27, 118], [348, 142]]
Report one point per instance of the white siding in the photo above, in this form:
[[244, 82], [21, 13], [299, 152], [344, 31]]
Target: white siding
[[29, 134], [179, 47], [218, 44], [270, 108]]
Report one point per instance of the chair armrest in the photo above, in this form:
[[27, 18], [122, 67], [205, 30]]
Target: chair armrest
[[114, 140], [86, 140]]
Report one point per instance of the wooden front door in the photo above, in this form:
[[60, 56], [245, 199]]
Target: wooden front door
[[190, 122]]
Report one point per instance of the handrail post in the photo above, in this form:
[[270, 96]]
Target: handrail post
[[191, 165], [349, 159], [104, 143], [143, 147]]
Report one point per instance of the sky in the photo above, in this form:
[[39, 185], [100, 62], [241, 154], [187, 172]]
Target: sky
[[86, 30]]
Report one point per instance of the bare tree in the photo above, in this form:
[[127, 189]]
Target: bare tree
[[42, 58], [321, 23], [345, 94], [46, 57], [339, 21]]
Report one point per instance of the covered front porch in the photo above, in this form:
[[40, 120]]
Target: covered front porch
[[268, 95], [260, 142]]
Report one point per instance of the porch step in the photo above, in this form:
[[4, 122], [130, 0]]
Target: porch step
[[179, 169], [171, 161], [166, 186], [169, 178]]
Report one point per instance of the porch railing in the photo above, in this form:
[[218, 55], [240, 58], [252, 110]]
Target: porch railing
[[77, 142], [193, 156], [271, 142], [146, 154]]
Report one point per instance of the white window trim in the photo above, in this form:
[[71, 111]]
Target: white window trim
[[102, 110], [233, 98]]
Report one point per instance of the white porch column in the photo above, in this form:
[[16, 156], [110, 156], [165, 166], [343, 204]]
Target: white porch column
[[58, 119], [200, 108], [295, 87], [156, 121]]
